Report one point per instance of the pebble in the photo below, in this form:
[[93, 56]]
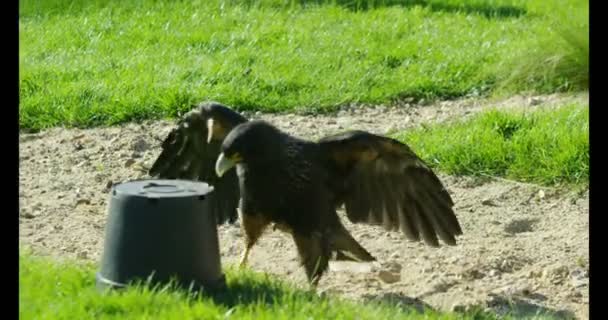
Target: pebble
[[579, 273], [494, 273], [141, 145], [129, 162], [489, 202], [28, 215], [534, 101], [82, 201], [389, 277]]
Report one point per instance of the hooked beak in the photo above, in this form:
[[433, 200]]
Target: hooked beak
[[224, 163], [210, 124], [215, 130]]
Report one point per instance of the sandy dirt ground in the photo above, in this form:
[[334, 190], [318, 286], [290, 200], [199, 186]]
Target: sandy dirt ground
[[524, 247]]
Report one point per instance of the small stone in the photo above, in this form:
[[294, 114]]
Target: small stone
[[489, 202], [389, 277], [580, 283], [579, 273], [83, 201], [541, 194], [78, 146], [506, 265], [82, 254], [534, 101], [141, 145], [129, 162], [28, 215]]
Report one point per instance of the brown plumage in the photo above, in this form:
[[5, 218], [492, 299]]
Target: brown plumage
[[298, 185]]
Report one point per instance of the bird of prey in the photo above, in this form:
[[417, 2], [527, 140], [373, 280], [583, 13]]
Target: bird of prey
[[264, 176]]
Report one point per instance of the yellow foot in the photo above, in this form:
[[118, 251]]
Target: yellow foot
[[244, 258]]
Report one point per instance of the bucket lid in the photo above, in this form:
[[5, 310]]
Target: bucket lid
[[162, 188]]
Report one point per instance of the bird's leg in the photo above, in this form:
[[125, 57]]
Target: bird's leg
[[244, 257], [253, 226]]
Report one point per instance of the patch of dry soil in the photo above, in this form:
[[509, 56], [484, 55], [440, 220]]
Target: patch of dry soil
[[523, 245]]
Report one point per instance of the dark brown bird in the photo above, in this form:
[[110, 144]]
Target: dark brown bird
[[298, 185]]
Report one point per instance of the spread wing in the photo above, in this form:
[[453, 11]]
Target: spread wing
[[190, 150], [381, 181]]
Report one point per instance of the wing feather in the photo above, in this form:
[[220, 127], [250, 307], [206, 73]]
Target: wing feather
[[385, 183], [187, 154]]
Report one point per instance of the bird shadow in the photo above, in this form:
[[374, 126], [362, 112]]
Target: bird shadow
[[245, 292], [235, 289], [255, 289]]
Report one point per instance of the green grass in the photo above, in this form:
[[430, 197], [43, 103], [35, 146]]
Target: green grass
[[87, 63], [545, 147], [556, 62], [66, 290]]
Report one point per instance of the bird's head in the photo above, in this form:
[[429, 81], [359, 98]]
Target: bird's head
[[253, 142], [220, 118]]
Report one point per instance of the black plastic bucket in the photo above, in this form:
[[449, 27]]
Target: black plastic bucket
[[161, 230]]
